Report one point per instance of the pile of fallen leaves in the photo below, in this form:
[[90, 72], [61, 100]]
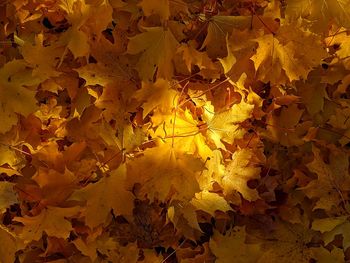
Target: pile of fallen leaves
[[174, 131]]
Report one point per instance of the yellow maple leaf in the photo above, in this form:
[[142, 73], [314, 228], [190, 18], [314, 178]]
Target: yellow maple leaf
[[158, 94], [157, 47], [55, 186], [192, 56], [108, 193], [164, 170], [15, 77], [333, 179], [232, 247], [225, 125], [85, 19], [286, 127], [238, 172], [107, 246], [313, 95], [182, 132], [340, 119], [44, 59], [52, 220], [75, 39], [291, 53]]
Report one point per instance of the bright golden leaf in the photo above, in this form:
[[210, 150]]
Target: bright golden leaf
[[225, 125], [238, 172]]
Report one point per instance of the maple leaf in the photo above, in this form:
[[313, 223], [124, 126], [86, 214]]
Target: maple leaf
[[182, 131], [291, 52], [75, 39], [51, 220], [84, 18], [44, 59], [111, 66], [159, 116], [107, 194], [15, 77], [49, 154], [132, 138], [108, 247], [232, 247], [85, 125], [219, 27], [114, 105], [238, 172], [313, 95], [332, 179], [225, 125], [192, 57], [55, 187], [158, 94], [286, 127], [162, 170], [157, 47]]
